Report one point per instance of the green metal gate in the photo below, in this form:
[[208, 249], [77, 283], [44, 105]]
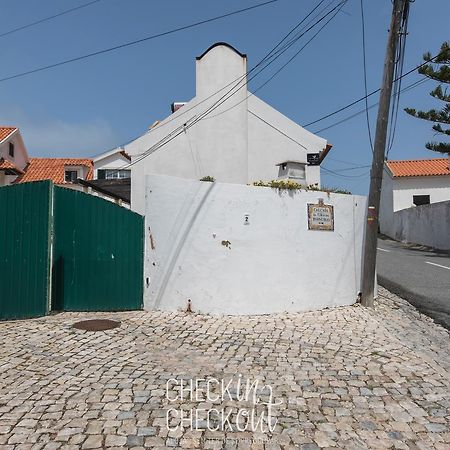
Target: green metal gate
[[25, 250], [98, 254], [62, 249]]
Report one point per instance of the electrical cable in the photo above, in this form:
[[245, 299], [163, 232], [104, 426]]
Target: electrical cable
[[224, 98], [407, 88], [363, 26], [269, 55], [137, 41], [45, 19], [398, 69], [282, 67], [355, 102]]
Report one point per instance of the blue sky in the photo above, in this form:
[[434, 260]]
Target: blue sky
[[87, 107]]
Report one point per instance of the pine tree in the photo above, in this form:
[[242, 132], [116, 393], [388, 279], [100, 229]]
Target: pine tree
[[438, 70]]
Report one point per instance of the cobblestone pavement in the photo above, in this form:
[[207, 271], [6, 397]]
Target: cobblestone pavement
[[349, 377]]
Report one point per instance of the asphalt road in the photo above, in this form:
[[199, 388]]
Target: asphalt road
[[419, 275]]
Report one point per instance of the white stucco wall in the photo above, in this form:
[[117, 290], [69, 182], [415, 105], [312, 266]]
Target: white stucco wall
[[273, 264], [239, 142], [425, 225]]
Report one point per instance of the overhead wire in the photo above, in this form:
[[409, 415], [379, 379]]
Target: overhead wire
[[46, 19], [345, 119], [355, 102], [399, 64], [134, 42], [224, 98], [363, 27], [285, 64]]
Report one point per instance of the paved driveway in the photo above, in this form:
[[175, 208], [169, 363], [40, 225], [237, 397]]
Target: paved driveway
[[347, 377]]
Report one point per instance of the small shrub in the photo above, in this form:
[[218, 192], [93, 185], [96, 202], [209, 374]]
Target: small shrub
[[291, 185], [208, 178]]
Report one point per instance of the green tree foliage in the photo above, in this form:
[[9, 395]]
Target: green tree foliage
[[437, 69]]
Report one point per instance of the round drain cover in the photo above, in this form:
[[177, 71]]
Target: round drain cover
[[96, 325]]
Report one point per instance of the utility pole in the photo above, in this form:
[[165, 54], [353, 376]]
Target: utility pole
[[376, 173]]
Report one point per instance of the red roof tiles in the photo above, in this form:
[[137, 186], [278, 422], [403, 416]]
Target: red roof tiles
[[54, 169], [6, 131], [419, 167], [8, 167]]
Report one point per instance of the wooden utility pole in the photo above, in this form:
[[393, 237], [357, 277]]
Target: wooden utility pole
[[376, 173]]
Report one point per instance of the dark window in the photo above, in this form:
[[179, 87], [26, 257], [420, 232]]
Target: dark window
[[421, 200], [70, 176], [11, 150]]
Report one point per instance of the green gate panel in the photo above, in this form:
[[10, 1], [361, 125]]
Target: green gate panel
[[24, 249], [98, 254]]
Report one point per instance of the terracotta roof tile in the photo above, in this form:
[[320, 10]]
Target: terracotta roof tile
[[6, 131], [53, 169], [9, 168], [419, 167]]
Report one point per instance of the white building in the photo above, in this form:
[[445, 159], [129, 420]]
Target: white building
[[13, 155], [240, 140], [112, 165], [408, 184]]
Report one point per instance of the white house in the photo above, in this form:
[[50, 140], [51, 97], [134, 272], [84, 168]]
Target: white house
[[410, 184], [234, 138], [13, 155], [73, 173], [112, 165]]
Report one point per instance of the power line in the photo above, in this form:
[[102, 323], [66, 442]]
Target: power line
[[355, 102], [224, 98], [268, 56], [339, 175], [46, 19], [273, 54], [398, 69], [347, 168], [288, 45], [137, 41], [407, 88], [363, 26]]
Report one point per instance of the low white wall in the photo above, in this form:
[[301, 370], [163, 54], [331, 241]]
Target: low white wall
[[425, 225], [198, 247]]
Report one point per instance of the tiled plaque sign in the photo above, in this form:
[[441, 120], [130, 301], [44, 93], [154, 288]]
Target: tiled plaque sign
[[320, 216]]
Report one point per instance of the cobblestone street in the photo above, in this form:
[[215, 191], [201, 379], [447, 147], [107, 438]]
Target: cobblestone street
[[348, 377]]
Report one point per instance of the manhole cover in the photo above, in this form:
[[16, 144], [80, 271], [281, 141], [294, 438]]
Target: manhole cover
[[96, 325]]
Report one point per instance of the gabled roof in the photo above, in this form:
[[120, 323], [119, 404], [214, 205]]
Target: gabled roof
[[118, 150], [419, 167], [53, 169], [5, 132], [9, 168]]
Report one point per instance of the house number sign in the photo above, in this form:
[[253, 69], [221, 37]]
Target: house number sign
[[320, 216]]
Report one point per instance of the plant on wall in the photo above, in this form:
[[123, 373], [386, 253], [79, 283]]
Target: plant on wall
[[208, 178], [291, 185]]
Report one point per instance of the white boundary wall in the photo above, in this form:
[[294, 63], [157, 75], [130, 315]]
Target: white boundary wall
[[273, 264], [426, 225]]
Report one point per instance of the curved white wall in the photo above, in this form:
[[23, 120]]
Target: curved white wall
[[203, 250]]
